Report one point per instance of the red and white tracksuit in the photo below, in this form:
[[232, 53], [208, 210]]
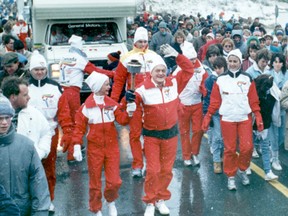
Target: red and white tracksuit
[[102, 146], [191, 88], [45, 95], [22, 32], [235, 95], [72, 69], [160, 135], [121, 77]]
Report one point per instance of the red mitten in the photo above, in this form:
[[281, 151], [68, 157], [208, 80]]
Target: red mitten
[[206, 122], [259, 121]]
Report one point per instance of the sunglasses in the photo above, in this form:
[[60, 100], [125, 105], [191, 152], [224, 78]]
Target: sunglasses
[[227, 46], [228, 32]]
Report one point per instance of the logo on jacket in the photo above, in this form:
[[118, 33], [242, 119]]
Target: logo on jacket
[[46, 97], [240, 84]]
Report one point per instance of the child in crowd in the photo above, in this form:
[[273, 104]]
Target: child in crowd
[[99, 113], [220, 66]]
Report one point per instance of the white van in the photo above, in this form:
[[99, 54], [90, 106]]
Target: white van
[[101, 23]]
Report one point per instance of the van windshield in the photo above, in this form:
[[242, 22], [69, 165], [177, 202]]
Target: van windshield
[[91, 32]]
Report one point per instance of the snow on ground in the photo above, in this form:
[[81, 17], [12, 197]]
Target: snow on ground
[[264, 9]]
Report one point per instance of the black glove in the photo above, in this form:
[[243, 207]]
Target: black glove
[[130, 96]]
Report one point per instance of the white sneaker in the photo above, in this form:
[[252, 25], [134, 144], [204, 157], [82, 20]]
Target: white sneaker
[[112, 209], [52, 208], [276, 164], [150, 210], [255, 153], [231, 183], [137, 173], [248, 171], [99, 213], [187, 163], [270, 176], [195, 160], [244, 177], [162, 208]]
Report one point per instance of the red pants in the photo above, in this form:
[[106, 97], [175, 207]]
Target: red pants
[[110, 159], [134, 139], [72, 95], [49, 164], [233, 132], [190, 116], [160, 156]]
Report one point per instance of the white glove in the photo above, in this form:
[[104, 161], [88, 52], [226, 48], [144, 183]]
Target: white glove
[[77, 152], [131, 107], [168, 51]]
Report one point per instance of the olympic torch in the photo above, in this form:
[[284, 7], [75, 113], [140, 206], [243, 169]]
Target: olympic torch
[[134, 67]]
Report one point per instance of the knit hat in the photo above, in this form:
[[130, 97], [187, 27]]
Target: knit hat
[[210, 35], [188, 50], [279, 32], [237, 53], [114, 56], [141, 34], [157, 60], [37, 61], [20, 17], [162, 24], [5, 106], [9, 59], [95, 81], [268, 36], [275, 39], [76, 41]]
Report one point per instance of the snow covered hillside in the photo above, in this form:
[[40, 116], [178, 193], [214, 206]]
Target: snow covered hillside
[[264, 9]]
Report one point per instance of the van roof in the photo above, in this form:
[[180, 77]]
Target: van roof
[[83, 9]]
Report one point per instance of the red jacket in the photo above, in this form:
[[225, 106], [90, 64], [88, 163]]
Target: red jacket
[[100, 120]]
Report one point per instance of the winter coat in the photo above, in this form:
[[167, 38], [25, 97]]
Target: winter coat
[[22, 174], [73, 65], [21, 31], [100, 121], [239, 45], [46, 96], [279, 78], [198, 42], [7, 204], [254, 71], [158, 39], [236, 100], [33, 124]]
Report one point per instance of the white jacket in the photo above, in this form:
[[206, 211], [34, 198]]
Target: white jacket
[[33, 124]]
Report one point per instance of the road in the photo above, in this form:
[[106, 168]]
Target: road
[[196, 191]]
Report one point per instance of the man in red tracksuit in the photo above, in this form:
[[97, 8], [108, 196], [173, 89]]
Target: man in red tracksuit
[[191, 89], [234, 94], [99, 112], [72, 68], [158, 97], [122, 76]]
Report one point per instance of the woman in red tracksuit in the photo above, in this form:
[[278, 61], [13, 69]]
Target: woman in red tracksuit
[[234, 94], [99, 113], [191, 89], [158, 97], [73, 65]]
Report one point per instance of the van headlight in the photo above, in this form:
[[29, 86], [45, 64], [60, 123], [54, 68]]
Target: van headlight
[[55, 71]]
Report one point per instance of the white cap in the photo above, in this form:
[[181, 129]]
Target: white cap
[[237, 53], [140, 34], [20, 17], [188, 50], [37, 61], [157, 60], [76, 41], [275, 39], [96, 80], [210, 35]]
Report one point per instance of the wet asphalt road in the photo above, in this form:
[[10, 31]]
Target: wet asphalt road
[[195, 190]]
